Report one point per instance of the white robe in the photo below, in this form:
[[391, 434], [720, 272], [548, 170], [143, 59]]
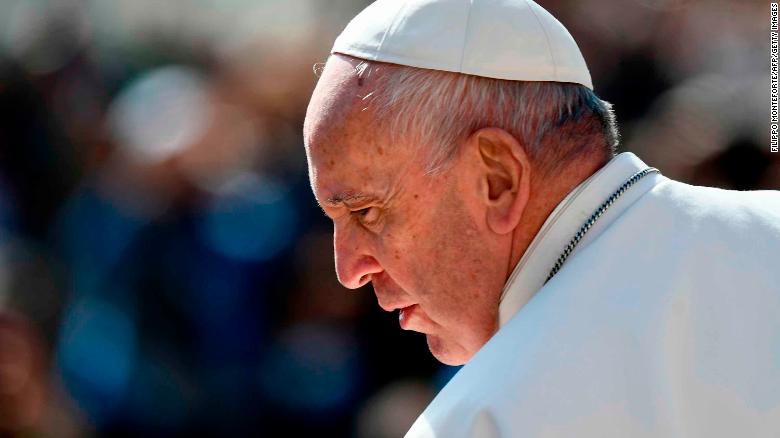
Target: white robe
[[664, 322]]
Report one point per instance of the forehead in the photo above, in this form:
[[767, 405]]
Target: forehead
[[347, 152], [333, 99]]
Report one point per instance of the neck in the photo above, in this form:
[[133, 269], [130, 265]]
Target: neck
[[546, 193]]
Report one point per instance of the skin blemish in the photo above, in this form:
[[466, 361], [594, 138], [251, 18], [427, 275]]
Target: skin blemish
[[458, 305]]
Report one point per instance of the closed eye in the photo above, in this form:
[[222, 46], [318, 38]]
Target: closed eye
[[368, 215]]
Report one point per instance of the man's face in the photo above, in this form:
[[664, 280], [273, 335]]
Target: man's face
[[421, 240]]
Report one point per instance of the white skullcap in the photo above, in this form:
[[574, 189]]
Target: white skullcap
[[502, 39]]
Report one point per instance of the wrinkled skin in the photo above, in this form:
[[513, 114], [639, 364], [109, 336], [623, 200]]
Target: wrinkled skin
[[444, 244]]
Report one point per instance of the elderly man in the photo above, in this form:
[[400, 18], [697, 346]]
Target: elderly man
[[469, 171]]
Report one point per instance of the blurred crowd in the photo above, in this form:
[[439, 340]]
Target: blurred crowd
[[164, 269]]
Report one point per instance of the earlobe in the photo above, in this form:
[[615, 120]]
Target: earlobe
[[505, 178]]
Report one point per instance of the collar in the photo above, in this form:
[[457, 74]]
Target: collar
[[568, 216]]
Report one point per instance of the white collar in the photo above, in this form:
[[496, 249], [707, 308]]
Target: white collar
[[571, 213]]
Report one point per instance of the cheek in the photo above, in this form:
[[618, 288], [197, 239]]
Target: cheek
[[451, 263], [460, 290], [405, 253], [456, 276], [410, 249]]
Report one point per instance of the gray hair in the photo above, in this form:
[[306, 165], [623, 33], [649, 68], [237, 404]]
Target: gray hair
[[556, 122]]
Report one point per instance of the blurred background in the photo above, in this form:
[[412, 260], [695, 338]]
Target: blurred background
[[164, 269]]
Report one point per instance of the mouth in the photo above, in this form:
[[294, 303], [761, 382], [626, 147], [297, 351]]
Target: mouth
[[391, 300], [404, 315]]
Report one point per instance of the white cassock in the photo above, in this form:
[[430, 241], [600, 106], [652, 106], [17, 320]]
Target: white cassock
[[664, 321]]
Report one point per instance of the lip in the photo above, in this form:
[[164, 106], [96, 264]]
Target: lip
[[391, 301], [404, 316], [393, 306]]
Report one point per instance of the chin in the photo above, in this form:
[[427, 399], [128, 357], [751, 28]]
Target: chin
[[448, 352]]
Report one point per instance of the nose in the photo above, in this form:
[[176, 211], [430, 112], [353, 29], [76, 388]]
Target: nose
[[355, 262]]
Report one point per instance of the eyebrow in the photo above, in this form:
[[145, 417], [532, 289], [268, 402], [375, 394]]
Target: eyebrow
[[345, 198]]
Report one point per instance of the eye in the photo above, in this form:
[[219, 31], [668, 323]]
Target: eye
[[368, 215]]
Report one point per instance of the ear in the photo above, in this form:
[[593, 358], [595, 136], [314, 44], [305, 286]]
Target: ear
[[505, 177]]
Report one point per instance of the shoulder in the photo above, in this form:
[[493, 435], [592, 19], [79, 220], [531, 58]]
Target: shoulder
[[679, 220], [682, 282], [708, 204]]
